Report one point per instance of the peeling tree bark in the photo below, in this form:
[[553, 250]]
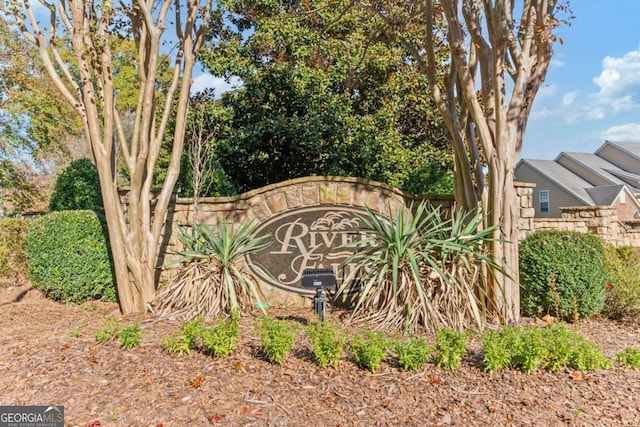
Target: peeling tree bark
[[486, 117], [86, 82]]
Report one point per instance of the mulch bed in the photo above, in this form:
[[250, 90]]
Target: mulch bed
[[102, 385]]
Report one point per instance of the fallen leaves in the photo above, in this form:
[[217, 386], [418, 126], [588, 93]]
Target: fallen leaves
[[580, 376]]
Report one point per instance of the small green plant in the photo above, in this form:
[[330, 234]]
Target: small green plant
[[219, 340], [130, 336], [110, 331], [629, 357], [328, 343], [369, 349], [413, 353], [277, 338], [530, 348], [498, 348], [113, 415], [450, 348], [176, 343], [185, 339], [74, 333]]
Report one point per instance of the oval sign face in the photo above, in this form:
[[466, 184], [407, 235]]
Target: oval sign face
[[312, 237]]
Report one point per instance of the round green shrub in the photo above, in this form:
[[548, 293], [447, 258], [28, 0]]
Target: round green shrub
[[77, 188], [68, 257], [562, 270], [13, 262]]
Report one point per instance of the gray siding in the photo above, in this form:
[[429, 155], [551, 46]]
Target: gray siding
[[558, 197]]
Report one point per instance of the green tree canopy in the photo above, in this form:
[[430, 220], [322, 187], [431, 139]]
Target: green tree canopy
[[325, 92]]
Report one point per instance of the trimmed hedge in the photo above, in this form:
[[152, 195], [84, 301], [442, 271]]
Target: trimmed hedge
[[68, 257], [13, 262], [564, 268]]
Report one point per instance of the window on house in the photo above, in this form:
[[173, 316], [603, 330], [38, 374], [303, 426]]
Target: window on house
[[544, 200]]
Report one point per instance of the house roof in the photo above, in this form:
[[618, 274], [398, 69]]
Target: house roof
[[605, 169], [631, 148], [564, 178], [605, 195], [567, 171]]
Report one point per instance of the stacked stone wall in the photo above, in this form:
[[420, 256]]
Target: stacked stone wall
[[267, 202], [601, 221]]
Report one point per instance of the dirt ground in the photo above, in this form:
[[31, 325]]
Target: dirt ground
[[43, 362]]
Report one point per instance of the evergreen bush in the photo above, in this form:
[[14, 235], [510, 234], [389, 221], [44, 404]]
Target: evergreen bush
[[562, 273], [68, 257], [77, 188], [13, 262]]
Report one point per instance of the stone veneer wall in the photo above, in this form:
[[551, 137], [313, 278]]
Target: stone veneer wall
[[601, 221], [265, 202]]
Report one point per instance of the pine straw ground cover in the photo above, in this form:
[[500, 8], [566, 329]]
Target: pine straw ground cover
[[48, 355]]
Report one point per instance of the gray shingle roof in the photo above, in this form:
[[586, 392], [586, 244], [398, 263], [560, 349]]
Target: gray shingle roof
[[605, 169], [563, 177], [605, 195], [631, 148]]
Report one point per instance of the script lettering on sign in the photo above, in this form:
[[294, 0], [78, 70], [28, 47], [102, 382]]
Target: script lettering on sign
[[312, 237]]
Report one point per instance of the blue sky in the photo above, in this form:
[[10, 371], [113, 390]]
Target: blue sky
[[592, 89]]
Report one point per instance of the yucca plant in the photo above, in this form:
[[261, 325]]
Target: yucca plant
[[212, 280], [418, 272]]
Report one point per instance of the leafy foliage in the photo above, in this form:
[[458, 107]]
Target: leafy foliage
[[531, 348], [277, 338], [563, 270], [77, 188], [322, 96], [130, 336], [622, 300], [212, 279], [369, 349], [629, 357], [217, 340], [450, 348], [68, 257], [328, 342], [13, 261], [413, 353], [419, 271], [110, 330], [220, 339]]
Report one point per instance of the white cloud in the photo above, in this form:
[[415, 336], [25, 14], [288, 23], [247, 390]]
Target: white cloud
[[627, 133], [207, 81], [619, 82], [547, 91], [569, 97], [557, 63]]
